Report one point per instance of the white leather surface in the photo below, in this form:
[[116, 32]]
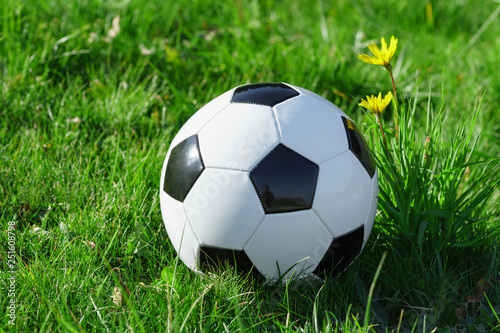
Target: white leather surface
[[179, 230], [224, 208], [311, 128], [297, 238], [202, 116], [238, 137], [373, 207], [344, 194]]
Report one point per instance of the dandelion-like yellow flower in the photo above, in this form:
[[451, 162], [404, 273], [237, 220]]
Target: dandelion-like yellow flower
[[377, 104], [381, 56]]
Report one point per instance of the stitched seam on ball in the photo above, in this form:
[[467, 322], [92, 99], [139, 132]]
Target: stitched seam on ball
[[251, 103], [253, 234], [271, 106], [215, 115], [344, 121], [362, 245], [257, 161], [315, 185], [349, 141], [188, 221], [198, 134], [296, 152], [289, 99], [350, 232], [275, 115], [201, 157], [190, 225], [336, 155], [321, 100], [323, 222], [257, 192], [369, 207], [277, 124], [290, 212], [226, 168], [291, 86]]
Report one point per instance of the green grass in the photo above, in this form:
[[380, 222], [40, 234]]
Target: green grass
[[87, 118]]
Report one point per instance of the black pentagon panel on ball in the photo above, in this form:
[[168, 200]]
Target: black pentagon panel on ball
[[341, 253], [358, 146], [184, 166], [268, 94], [285, 181], [217, 259]]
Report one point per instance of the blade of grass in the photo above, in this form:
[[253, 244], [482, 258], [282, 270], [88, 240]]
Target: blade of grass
[[372, 288]]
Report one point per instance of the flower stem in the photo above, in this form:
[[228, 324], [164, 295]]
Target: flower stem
[[396, 120], [393, 85], [381, 129]]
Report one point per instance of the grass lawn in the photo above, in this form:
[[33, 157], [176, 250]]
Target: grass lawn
[[92, 93]]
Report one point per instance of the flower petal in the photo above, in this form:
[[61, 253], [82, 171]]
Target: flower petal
[[387, 99], [365, 104], [381, 56], [392, 46], [375, 50], [384, 44], [376, 104], [368, 59]]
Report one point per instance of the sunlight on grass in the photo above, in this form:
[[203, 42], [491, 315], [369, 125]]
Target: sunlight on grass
[[93, 93]]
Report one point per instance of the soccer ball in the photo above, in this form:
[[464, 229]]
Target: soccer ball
[[270, 178]]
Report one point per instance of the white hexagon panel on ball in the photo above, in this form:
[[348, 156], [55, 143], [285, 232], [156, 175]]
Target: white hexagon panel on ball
[[219, 198], [288, 244], [238, 136]]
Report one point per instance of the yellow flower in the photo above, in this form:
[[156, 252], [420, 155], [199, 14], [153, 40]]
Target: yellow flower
[[377, 104], [381, 56]]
